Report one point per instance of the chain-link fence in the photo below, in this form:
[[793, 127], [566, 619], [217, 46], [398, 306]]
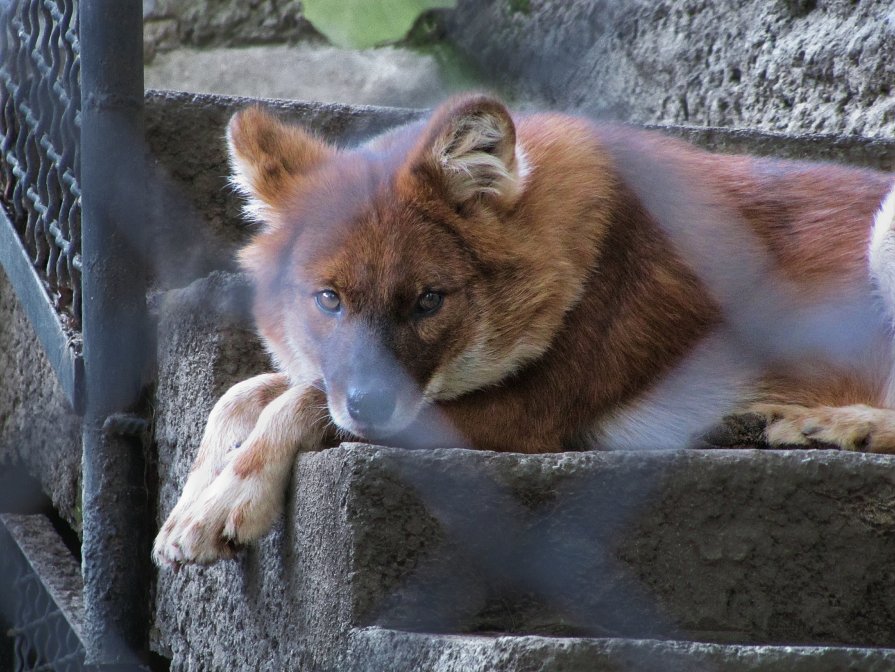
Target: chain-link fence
[[40, 107], [71, 97], [40, 196], [43, 637]]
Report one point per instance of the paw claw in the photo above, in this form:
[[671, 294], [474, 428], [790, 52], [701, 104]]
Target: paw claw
[[811, 429]]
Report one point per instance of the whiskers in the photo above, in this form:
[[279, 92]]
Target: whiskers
[[323, 420]]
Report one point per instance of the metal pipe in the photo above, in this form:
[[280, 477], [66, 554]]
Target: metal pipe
[[115, 502]]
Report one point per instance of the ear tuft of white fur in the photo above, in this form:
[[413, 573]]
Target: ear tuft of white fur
[[254, 210], [267, 159], [479, 157], [243, 172]]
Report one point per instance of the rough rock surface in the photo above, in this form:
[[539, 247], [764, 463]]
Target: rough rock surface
[[787, 65], [374, 650], [382, 542], [625, 544], [168, 24], [38, 428]]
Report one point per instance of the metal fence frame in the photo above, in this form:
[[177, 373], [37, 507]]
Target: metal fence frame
[[71, 245]]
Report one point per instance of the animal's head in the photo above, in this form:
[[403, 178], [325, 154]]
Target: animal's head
[[394, 273]]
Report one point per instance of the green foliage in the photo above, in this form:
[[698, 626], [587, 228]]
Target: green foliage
[[365, 23], [520, 6]]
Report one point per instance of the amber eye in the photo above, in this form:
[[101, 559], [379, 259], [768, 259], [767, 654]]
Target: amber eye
[[428, 303], [328, 301]]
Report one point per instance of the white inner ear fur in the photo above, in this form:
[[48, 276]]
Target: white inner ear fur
[[241, 179], [476, 164]]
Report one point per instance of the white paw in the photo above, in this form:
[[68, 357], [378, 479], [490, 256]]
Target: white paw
[[238, 484], [233, 510], [853, 428]]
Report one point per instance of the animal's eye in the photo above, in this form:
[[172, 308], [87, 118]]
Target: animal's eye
[[428, 303], [328, 301]]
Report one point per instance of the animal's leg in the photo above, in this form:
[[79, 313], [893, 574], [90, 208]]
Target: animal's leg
[[243, 500], [857, 427], [230, 422]]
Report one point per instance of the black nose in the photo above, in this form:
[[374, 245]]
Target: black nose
[[371, 407]]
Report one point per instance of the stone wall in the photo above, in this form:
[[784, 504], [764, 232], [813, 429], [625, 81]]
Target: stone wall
[[788, 65], [168, 24]]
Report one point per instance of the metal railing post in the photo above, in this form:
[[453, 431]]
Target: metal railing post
[[115, 539]]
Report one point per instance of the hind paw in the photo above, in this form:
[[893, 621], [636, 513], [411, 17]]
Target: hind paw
[[855, 428]]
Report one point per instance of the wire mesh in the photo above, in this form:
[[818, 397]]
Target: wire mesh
[[42, 637], [40, 103]]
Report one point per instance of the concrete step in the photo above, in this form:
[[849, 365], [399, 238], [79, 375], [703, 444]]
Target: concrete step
[[407, 651], [712, 546]]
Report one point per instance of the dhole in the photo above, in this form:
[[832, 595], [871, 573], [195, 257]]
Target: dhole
[[537, 284]]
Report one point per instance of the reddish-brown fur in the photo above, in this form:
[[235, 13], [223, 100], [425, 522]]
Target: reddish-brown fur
[[577, 229], [567, 298]]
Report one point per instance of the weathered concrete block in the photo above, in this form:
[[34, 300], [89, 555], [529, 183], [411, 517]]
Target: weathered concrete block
[[374, 649], [725, 546], [785, 65], [38, 428], [308, 71], [369, 540]]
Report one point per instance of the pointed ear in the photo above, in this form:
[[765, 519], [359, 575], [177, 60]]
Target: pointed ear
[[267, 157], [471, 148]]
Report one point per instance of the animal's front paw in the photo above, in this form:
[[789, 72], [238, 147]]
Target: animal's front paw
[[856, 428], [233, 510]]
